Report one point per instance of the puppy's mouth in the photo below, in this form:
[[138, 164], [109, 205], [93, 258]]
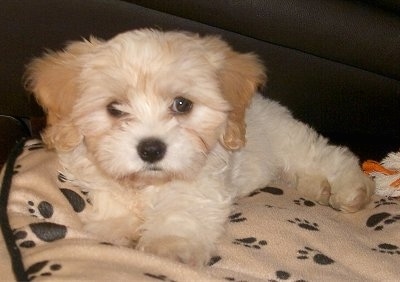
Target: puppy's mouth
[[152, 168]]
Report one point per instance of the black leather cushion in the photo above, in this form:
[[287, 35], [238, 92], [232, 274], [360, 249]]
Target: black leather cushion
[[389, 5], [350, 32]]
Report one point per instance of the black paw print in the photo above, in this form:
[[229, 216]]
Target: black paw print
[[317, 256], [43, 231], [214, 260], [250, 242], [305, 224], [233, 279], [16, 169], [75, 200], [42, 210], [379, 220], [385, 202], [160, 277], [304, 202], [48, 231], [270, 190], [61, 177], [283, 275], [42, 268], [387, 248], [22, 235], [237, 217]]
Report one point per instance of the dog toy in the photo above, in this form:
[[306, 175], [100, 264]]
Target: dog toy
[[385, 174]]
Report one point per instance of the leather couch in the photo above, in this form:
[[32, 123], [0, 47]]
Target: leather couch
[[334, 63]]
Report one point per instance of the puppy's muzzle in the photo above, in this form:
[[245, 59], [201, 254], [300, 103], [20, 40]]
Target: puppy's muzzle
[[151, 150]]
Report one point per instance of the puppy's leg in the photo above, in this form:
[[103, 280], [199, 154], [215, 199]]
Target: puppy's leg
[[184, 220], [325, 173]]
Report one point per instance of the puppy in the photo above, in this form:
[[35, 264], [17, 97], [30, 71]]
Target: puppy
[[153, 125]]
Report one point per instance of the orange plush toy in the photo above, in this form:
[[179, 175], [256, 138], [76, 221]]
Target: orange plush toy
[[386, 174]]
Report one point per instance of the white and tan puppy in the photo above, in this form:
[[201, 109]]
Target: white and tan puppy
[[153, 125]]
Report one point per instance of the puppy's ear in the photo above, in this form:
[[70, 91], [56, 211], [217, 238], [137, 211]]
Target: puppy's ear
[[240, 76], [53, 79]]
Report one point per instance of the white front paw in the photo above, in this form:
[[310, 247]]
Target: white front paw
[[352, 192], [177, 248]]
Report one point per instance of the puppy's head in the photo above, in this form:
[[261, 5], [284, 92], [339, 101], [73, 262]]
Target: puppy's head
[[146, 104]]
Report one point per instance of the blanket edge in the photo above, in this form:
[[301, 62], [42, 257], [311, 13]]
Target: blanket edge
[[13, 250]]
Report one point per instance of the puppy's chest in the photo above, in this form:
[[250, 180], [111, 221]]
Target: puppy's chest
[[116, 204]]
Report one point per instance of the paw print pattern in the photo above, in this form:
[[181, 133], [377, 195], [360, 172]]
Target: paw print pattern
[[379, 220], [42, 268], [76, 201], [233, 279], [40, 231], [282, 275], [43, 210], [387, 248], [317, 256], [61, 177], [385, 202], [250, 242], [237, 217], [214, 260], [159, 277], [22, 235], [48, 231], [270, 190], [16, 169], [304, 202], [305, 224]]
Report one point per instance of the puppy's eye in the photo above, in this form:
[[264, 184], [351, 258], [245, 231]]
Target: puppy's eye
[[113, 111], [181, 105]]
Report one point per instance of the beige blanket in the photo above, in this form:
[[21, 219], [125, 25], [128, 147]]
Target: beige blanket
[[274, 234]]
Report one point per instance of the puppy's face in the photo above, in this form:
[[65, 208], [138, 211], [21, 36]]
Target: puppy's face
[[148, 106]]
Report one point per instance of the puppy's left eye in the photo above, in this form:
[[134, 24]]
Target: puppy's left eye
[[181, 105], [114, 111]]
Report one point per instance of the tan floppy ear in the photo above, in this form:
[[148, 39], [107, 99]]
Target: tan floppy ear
[[53, 80], [240, 76]]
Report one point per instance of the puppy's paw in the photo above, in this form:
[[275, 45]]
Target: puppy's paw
[[348, 193], [177, 248], [352, 192]]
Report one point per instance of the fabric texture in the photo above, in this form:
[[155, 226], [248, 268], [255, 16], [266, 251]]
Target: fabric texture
[[273, 234]]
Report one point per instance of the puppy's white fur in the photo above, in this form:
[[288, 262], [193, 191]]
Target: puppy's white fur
[[103, 98]]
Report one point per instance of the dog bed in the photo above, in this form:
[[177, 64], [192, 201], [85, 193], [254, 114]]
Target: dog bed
[[273, 234]]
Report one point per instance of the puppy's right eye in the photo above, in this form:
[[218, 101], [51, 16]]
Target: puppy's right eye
[[114, 111]]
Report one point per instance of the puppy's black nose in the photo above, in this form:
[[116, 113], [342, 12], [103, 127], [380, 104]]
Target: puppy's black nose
[[151, 150]]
